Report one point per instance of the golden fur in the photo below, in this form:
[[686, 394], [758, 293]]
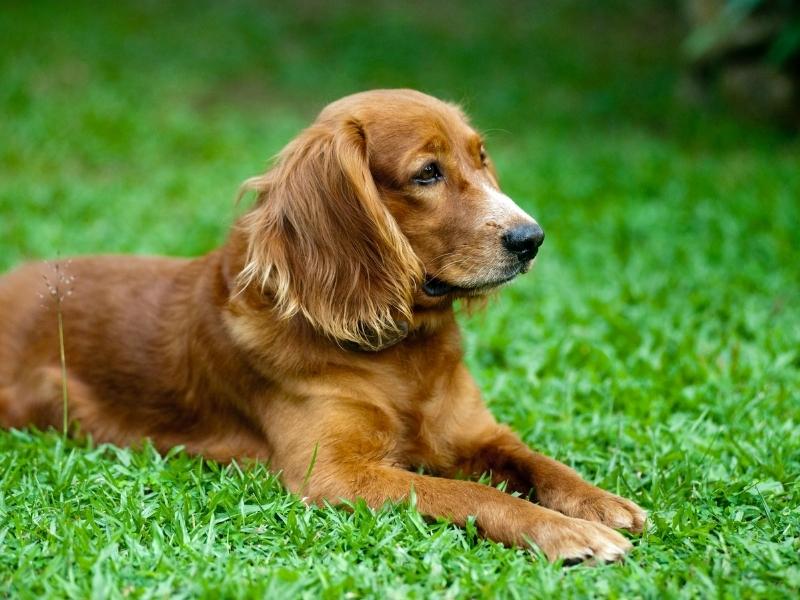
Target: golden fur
[[322, 328]]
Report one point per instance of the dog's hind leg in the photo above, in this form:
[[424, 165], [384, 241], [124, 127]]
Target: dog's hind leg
[[38, 399], [6, 419]]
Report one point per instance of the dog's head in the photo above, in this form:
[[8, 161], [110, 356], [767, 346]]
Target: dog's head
[[387, 202]]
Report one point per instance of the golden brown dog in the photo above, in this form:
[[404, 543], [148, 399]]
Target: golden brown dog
[[321, 333]]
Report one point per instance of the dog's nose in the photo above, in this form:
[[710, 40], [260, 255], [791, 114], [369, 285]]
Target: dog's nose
[[524, 240]]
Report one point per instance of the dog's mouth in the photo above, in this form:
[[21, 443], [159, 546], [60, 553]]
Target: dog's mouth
[[435, 287]]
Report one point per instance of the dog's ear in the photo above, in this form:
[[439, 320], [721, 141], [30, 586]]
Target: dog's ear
[[323, 244]]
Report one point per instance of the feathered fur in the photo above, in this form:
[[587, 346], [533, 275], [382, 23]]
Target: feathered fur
[[322, 243]]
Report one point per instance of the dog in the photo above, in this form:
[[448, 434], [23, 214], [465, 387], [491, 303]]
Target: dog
[[320, 338]]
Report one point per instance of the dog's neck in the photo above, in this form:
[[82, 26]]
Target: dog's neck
[[427, 322]]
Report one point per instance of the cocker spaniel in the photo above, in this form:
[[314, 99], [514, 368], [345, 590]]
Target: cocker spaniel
[[320, 337]]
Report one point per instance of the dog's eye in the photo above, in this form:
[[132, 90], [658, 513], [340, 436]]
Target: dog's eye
[[483, 156], [431, 173]]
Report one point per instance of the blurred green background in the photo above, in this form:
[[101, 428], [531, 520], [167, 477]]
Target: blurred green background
[[655, 346]]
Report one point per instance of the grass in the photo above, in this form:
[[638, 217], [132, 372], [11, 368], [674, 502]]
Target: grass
[[655, 346]]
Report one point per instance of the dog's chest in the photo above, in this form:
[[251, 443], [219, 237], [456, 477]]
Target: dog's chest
[[433, 412]]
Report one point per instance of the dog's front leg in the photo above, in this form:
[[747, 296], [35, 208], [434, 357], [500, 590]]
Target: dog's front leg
[[346, 450], [501, 453], [498, 516]]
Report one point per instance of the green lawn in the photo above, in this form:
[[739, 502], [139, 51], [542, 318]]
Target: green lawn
[[655, 346]]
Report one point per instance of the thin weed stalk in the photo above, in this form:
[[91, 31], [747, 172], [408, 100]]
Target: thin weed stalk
[[59, 290], [64, 393]]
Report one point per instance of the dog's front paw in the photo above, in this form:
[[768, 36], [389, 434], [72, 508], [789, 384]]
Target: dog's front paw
[[576, 540], [593, 504]]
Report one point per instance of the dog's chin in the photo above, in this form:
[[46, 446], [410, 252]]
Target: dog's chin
[[437, 288]]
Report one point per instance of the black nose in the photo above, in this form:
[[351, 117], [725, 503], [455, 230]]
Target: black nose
[[524, 240]]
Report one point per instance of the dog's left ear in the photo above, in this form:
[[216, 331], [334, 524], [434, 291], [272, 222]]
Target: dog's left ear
[[323, 245]]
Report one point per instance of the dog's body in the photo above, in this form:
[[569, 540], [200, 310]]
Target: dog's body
[[320, 337]]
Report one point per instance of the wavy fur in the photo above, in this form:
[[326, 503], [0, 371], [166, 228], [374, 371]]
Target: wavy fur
[[323, 244]]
